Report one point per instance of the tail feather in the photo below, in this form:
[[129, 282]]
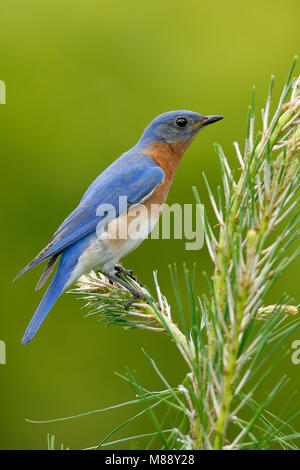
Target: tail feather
[[37, 260], [61, 280], [47, 271], [56, 287]]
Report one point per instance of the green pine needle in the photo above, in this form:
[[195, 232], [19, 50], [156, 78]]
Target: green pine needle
[[231, 342]]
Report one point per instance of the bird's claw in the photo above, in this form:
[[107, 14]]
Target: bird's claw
[[132, 299], [127, 272]]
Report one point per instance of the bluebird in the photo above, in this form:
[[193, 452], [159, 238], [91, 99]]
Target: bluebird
[[142, 175]]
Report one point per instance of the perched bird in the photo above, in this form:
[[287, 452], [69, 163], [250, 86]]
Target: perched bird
[[142, 175]]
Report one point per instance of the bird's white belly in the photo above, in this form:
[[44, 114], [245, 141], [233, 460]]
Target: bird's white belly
[[121, 236], [125, 233]]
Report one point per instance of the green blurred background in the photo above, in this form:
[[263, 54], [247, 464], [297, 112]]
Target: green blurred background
[[83, 79]]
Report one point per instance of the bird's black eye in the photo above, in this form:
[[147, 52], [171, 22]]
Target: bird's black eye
[[181, 122]]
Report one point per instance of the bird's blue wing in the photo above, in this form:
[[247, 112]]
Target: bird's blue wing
[[134, 178]]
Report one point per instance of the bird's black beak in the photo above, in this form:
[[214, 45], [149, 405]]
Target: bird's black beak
[[206, 120], [211, 119]]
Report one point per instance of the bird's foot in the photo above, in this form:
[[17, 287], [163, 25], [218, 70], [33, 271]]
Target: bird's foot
[[136, 294], [119, 269], [132, 299]]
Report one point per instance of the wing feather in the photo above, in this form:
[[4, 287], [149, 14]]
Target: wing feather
[[135, 178]]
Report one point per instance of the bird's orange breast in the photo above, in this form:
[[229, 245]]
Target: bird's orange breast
[[167, 156]]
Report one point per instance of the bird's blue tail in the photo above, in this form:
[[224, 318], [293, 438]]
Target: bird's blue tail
[[69, 260], [55, 289]]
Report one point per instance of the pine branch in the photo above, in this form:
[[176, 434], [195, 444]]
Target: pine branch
[[225, 335]]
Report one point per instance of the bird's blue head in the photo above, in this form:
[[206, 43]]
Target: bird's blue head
[[176, 126]]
